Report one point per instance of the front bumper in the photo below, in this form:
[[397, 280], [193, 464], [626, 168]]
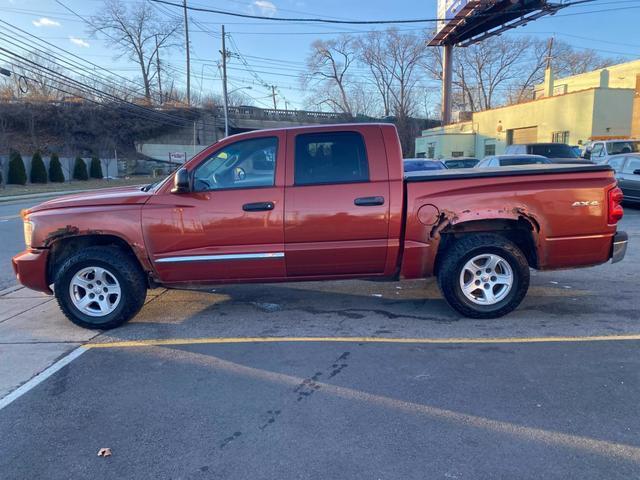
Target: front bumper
[[619, 246], [30, 267]]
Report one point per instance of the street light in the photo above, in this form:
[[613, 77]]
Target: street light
[[226, 107]]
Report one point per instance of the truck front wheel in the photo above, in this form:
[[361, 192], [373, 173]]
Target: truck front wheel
[[484, 276], [100, 287]]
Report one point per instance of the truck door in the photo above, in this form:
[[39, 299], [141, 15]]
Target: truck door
[[336, 202], [230, 226]]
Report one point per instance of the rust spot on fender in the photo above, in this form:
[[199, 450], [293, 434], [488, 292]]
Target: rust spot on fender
[[524, 213], [446, 218], [68, 231]]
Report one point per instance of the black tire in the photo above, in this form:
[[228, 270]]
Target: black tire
[[466, 248], [126, 271]]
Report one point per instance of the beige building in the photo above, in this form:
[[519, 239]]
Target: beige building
[[571, 110]]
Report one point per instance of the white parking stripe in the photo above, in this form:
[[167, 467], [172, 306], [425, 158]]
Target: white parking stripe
[[41, 377]]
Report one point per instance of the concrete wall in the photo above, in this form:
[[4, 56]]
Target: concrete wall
[[622, 75], [612, 112], [109, 166], [583, 114]]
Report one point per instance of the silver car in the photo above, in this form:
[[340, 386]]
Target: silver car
[[627, 167]]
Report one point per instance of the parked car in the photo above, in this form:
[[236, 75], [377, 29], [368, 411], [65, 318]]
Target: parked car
[[599, 151], [512, 160], [421, 165], [319, 203], [577, 150], [460, 162], [627, 168], [556, 152]]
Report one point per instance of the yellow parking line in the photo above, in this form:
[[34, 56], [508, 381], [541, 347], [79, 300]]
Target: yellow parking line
[[217, 340]]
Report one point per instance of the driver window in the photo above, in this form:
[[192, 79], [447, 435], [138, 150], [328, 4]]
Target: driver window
[[596, 151], [244, 164]]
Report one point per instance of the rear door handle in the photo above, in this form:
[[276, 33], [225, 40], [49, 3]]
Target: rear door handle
[[368, 201], [258, 207]]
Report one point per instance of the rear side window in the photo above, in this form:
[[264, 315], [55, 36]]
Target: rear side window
[[632, 165], [332, 157]]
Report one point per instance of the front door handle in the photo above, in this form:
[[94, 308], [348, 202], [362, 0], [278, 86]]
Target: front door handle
[[368, 201], [258, 207]]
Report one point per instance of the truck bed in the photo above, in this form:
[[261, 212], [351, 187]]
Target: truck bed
[[466, 173]]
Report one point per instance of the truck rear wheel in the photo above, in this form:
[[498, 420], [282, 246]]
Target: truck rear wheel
[[100, 287], [484, 276]]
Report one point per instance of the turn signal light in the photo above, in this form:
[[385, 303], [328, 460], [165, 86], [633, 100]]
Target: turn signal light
[[615, 209]]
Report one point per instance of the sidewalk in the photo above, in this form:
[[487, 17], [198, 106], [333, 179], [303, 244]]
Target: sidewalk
[[34, 334]]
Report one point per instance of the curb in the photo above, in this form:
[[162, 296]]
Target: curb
[[9, 290], [12, 198]]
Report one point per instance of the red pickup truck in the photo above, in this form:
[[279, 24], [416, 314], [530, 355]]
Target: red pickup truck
[[315, 203]]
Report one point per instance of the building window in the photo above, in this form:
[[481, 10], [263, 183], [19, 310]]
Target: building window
[[457, 154], [431, 150], [560, 137], [489, 149]]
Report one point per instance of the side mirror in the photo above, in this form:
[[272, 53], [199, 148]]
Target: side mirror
[[636, 172], [181, 181], [586, 154]]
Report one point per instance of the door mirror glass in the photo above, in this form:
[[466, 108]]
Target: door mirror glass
[[586, 154], [636, 172], [181, 181]]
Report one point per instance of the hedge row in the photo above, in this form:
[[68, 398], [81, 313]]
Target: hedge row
[[38, 174]]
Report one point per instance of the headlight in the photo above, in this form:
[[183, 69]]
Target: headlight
[[28, 233]]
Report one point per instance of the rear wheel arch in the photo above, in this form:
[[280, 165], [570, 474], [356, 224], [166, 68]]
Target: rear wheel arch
[[521, 232]]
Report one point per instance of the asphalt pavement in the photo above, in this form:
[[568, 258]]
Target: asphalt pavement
[[332, 411], [317, 380], [11, 235]]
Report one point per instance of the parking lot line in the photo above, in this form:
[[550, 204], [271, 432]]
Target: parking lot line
[[214, 340], [41, 377]]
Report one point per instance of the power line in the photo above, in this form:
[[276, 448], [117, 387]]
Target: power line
[[352, 22]]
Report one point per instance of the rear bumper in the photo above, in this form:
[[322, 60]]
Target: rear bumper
[[30, 268], [619, 246]]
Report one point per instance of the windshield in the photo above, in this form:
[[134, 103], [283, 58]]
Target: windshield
[[626, 146], [510, 162], [553, 150], [467, 163], [421, 165]]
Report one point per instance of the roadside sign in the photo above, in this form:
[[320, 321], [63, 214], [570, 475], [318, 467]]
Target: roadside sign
[[177, 157]]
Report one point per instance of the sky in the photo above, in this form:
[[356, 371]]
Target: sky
[[274, 52]]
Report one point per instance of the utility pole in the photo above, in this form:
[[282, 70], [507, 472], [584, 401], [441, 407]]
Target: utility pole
[[549, 55], [224, 84], [447, 64], [273, 93], [186, 36], [158, 69]]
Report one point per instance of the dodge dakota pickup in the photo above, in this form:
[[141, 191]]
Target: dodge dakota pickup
[[316, 203]]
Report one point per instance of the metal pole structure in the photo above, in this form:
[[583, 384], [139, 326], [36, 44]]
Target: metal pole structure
[[224, 84], [447, 64], [158, 68], [273, 93], [186, 37]]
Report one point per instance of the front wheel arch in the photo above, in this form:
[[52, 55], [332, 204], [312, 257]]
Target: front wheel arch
[[60, 250]]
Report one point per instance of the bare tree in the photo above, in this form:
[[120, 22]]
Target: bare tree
[[372, 53], [139, 34], [503, 70], [328, 65]]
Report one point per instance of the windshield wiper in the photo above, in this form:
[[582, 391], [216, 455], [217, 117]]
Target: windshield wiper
[[146, 188]]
